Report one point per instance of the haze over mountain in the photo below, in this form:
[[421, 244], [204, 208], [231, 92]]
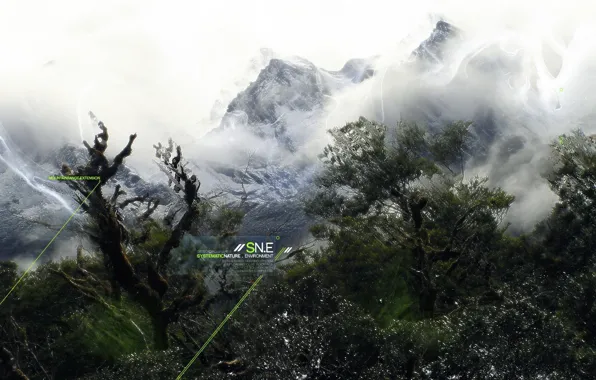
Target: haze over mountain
[[522, 73]]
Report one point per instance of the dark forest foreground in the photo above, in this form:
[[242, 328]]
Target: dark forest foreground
[[418, 278]]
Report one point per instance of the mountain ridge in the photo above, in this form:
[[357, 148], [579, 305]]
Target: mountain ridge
[[283, 86]]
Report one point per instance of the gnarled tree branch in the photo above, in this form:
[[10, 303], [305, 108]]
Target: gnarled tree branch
[[10, 369]]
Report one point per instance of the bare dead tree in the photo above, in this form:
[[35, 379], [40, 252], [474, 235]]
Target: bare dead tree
[[179, 176], [111, 236]]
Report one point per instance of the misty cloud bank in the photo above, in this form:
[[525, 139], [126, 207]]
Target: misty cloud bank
[[523, 73]]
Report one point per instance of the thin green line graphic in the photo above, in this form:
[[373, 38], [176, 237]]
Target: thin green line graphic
[[281, 251], [47, 246], [220, 327]]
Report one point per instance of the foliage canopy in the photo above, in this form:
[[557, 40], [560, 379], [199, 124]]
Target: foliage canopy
[[416, 277]]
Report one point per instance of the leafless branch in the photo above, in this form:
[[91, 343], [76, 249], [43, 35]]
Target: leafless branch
[[128, 201], [117, 193], [11, 370], [151, 207], [25, 342], [88, 292]]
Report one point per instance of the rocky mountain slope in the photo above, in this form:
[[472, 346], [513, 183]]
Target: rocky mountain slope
[[279, 105], [285, 92]]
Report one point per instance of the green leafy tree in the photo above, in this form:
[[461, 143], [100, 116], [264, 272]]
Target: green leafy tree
[[415, 278], [442, 230]]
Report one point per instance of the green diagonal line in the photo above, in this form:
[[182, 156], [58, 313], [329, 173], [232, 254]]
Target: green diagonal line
[[219, 327], [280, 252], [225, 320], [47, 246]]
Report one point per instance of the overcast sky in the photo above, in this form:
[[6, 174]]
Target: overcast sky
[[169, 60], [158, 67]]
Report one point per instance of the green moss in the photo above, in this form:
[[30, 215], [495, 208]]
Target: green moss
[[109, 333], [157, 237]]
